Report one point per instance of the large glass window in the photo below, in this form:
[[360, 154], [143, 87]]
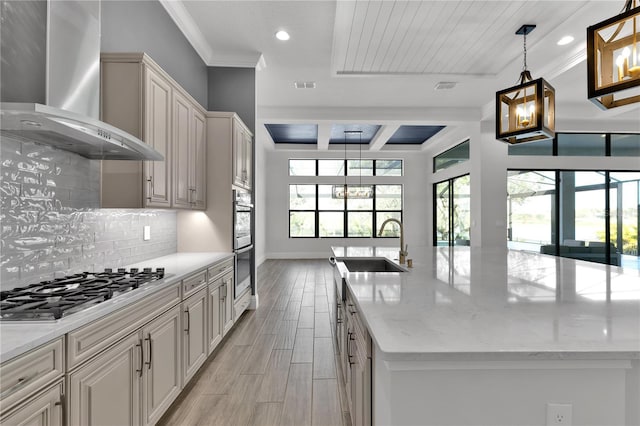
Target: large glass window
[[451, 157], [336, 167], [452, 206], [594, 214], [339, 217], [582, 145], [530, 209]]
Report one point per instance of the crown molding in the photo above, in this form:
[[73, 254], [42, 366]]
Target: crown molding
[[186, 24]]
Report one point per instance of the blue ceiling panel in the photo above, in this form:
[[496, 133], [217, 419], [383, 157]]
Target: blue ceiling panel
[[293, 133], [413, 135], [338, 136]]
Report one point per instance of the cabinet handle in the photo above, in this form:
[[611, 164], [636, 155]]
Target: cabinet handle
[[223, 292], [186, 311], [349, 339], [150, 181], [139, 371], [150, 351], [21, 382], [63, 407]]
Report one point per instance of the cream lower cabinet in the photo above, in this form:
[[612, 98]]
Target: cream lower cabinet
[[195, 348], [357, 363], [227, 307], [134, 381], [214, 320], [44, 409]]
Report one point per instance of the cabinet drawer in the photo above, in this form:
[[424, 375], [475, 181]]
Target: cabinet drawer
[[193, 284], [91, 339], [241, 305], [221, 268], [24, 375]]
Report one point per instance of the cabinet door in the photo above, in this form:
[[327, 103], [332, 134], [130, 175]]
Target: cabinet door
[[195, 336], [157, 125], [238, 154], [227, 323], [106, 391], [198, 161], [216, 304], [44, 409], [181, 151], [161, 338], [248, 160]]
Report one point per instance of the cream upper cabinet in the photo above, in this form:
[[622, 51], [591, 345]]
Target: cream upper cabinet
[[242, 154], [140, 98], [181, 148], [198, 160], [157, 133]]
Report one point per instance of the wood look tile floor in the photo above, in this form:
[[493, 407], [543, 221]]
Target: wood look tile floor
[[278, 364]]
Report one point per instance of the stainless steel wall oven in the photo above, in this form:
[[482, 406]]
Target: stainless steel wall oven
[[243, 241]]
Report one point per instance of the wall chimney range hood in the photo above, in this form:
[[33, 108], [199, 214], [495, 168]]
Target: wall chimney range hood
[[50, 80], [91, 138]]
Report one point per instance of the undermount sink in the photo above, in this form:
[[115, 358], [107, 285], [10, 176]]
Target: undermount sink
[[371, 265]]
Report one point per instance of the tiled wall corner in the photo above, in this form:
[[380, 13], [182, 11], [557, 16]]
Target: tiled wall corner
[[51, 224]]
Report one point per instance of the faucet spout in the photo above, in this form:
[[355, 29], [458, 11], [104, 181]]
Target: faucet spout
[[403, 252]]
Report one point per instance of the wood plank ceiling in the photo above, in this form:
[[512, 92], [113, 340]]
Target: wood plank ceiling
[[437, 37]]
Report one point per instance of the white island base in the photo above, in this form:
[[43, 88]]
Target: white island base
[[476, 392]]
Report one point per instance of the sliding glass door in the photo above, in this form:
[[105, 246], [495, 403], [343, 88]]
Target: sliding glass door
[[593, 213], [452, 212]]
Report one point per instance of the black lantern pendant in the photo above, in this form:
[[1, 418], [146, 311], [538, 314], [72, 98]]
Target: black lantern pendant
[[613, 59], [352, 191], [526, 112]]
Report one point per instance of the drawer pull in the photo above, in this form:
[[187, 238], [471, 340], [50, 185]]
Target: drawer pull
[[186, 311], [21, 382]]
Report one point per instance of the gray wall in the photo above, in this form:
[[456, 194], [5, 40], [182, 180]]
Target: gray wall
[[145, 26], [234, 89], [50, 224]]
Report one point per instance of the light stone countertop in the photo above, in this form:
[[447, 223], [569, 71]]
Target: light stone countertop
[[18, 337], [465, 303]]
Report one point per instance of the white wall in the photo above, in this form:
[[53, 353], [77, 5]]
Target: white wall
[[418, 228]]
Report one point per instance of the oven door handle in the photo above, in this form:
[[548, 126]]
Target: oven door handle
[[244, 249]]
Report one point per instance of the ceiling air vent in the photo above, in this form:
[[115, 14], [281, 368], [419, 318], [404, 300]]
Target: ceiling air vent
[[304, 84], [445, 85]]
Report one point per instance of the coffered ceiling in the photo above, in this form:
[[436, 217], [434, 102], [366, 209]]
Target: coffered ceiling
[[377, 62]]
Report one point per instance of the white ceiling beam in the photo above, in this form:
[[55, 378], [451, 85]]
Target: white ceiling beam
[[324, 135], [383, 135], [370, 115]]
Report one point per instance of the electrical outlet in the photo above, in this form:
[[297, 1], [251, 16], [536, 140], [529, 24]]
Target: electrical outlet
[[559, 414], [146, 233]]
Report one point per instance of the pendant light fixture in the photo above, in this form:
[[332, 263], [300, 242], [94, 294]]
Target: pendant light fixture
[[613, 59], [525, 112], [352, 191]]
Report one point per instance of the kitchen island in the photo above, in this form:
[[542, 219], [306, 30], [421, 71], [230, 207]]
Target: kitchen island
[[490, 336]]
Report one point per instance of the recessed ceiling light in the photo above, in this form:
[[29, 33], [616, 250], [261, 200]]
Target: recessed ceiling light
[[565, 40], [282, 35]]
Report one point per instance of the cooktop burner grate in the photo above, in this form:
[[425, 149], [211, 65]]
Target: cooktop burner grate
[[52, 300]]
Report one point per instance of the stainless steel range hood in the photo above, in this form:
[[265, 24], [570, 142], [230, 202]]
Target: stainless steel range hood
[[51, 54], [72, 132]]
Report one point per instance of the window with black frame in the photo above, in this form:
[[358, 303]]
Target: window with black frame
[[328, 209], [452, 212], [585, 215]]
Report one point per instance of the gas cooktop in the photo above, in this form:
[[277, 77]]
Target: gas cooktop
[[52, 300]]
